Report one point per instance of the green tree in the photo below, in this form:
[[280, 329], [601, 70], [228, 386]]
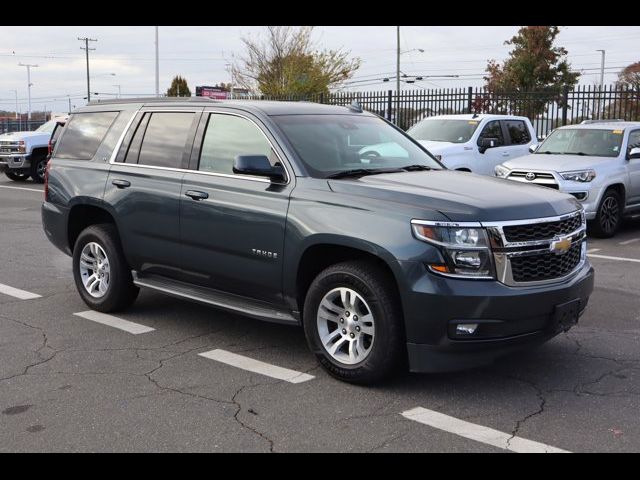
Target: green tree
[[627, 103], [535, 66], [179, 87], [288, 63]]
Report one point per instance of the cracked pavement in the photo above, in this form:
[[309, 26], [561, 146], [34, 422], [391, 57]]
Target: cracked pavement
[[68, 384]]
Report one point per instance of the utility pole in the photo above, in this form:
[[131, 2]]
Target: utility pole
[[86, 48], [119, 90], [69, 97], [28, 85], [157, 65], [16, 92], [398, 62]]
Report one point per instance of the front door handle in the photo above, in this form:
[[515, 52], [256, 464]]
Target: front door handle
[[121, 183], [505, 154], [196, 195]]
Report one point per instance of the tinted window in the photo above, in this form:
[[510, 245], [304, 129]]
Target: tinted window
[[83, 135], [634, 139], [228, 136], [492, 130], [165, 139], [444, 130], [330, 144], [518, 132]]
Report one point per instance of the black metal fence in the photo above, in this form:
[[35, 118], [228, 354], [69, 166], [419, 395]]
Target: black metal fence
[[546, 110], [19, 125]]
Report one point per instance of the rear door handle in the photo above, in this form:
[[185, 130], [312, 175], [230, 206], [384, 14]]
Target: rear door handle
[[196, 195], [121, 183]]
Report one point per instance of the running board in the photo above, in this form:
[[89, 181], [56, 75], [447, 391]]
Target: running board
[[227, 301]]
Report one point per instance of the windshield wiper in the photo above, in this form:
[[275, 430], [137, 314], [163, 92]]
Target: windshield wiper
[[356, 172], [582, 154], [416, 168], [548, 152]]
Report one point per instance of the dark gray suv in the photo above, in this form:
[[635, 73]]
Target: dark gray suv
[[322, 216]]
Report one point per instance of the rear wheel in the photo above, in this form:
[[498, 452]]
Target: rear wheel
[[609, 216], [17, 176], [38, 168], [353, 322], [100, 270]]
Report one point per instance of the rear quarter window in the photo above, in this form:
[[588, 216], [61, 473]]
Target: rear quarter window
[[83, 134]]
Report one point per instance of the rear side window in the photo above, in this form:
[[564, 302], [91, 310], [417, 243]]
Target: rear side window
[[84, 134], [492, 130], [518, 132], [165, 140]]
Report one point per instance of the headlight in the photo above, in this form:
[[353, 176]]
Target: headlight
[[465, 249], [501, 171], [579, 176]]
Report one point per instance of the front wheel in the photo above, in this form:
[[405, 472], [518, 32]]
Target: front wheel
[[100, 270], [38, 169], [353, 322], [609, 216], [17, 176]]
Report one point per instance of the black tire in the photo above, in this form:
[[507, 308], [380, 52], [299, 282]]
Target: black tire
[[376, 287], [38, 167], [121, 292], [609, 216], [17, 176]]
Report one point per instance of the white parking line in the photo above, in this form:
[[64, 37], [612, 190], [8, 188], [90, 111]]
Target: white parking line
[[593, 250], [619, 259], [478, 432], [629, 242], [17, 293], [23, 188], [115, 322], [256, 366]]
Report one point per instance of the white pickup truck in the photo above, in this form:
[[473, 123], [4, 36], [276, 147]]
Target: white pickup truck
[[24, 154], [475, 142]]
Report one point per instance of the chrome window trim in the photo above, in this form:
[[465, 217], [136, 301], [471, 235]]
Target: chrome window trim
[[250, 178]]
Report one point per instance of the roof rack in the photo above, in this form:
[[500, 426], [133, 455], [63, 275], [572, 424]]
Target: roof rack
[[154, 100], [609, 120]]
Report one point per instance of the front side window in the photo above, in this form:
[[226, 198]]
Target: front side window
[[228, 136], [441, 130], [518, 132], [47, 127], [165, 139], [83, 135], [634, 139], [331, 144], [492, 130], [583, 141]]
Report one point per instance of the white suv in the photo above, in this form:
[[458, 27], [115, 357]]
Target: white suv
[[598, 163], [475, 143]]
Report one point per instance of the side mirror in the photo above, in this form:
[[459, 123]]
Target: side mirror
[[258, 165], [533, 147], [487, 143], [634, 153]]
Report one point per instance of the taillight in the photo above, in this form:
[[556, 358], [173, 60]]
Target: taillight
[[46, 181]]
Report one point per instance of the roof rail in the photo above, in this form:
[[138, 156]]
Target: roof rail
[[609, 120], [153, 100]]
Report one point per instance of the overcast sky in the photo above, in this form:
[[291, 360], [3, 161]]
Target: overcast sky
[[201, 53]]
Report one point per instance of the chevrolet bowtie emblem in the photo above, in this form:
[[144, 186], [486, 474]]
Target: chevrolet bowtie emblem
[[561, 246]]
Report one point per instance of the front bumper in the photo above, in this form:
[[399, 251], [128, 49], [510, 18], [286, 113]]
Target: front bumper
[[15, 162], [508, 318]]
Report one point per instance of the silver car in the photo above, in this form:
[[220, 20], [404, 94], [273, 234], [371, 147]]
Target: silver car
[[598, 163]]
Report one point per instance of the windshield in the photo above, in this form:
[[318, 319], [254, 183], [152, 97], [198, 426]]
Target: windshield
[[47, 127], [330, 144], [582, 141], [441, 130]]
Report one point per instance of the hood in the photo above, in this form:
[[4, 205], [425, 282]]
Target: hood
[[16, 136], [438, 147], [461, 196], [555, 163]]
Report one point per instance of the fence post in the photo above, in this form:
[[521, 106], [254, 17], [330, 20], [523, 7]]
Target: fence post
[[389, 104], [565, 104], [469, 99], [321, 97]]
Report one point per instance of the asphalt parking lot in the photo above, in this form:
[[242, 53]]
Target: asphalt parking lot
[[70, 383]]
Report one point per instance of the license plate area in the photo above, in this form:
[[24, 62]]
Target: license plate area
[[565, 315]]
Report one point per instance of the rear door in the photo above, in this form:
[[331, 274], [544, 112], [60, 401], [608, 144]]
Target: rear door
[[519, 137], [634, 170], [233, 225], [144, 188]]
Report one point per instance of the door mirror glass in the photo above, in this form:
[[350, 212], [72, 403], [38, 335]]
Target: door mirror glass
[[533, 148], [258, 165]]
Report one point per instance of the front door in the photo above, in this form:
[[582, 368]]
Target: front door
[[232, 226], [487, 161]]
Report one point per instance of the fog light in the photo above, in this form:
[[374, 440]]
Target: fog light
[[469, 259], [466, 328]]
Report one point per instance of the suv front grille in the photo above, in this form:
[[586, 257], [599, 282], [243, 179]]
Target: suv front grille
[[540, 178], [542, 231], [546, 266]]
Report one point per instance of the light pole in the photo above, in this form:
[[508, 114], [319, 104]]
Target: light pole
[[19, 122], [119, 90], [28, 86], [600, 102], [398, 62], [157, 65]]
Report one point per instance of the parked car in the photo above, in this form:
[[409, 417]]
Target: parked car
[[598, 163], [24, 154], [269, 210], [475, 143]]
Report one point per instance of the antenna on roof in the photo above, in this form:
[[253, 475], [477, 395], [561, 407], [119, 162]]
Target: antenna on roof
[[355, 107]]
